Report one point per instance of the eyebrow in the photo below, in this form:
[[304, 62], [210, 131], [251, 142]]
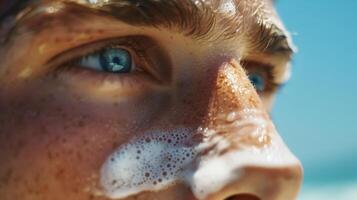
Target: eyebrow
[[193, 18], [197, 20], [268, 38], [185, 16]]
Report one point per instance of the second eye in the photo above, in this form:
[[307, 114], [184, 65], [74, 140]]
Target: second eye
[[111, 60], [258, 81]]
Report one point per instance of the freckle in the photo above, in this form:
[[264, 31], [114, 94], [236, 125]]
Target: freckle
[[79, 156], [91, 197], [60, 172], [115, 145], [100, 31], [57, 40], [64, 140], [80, 123], [49, 155]]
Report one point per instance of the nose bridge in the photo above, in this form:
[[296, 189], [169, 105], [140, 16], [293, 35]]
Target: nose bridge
[[241, 155], [214, 93], [232, 91], [235, 111]]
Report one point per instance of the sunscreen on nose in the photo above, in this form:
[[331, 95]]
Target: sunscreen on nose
[[158, 159]]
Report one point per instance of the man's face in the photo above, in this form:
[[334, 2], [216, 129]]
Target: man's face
[[144, 99]]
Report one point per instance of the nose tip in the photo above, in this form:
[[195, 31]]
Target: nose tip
[[262, 183], [265, 173]]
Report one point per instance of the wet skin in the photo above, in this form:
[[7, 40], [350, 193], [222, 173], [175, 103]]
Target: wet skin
[[59, 121]]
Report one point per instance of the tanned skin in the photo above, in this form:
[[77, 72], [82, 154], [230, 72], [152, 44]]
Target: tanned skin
[[194, 61]]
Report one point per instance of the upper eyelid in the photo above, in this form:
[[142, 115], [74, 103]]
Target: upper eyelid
[[261, 65], [93, 47], [151, 56], [246, 62]]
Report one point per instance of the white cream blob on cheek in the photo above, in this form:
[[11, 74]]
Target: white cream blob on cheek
[[150, 162]]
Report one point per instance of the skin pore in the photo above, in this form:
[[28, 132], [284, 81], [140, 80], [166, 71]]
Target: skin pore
[[60, 119]]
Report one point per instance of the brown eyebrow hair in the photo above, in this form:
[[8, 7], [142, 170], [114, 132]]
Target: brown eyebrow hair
[[182, 15], [268, 38], [192, 18], [198, 20]]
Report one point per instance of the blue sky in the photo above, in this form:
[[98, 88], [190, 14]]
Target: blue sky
[[316, 112]]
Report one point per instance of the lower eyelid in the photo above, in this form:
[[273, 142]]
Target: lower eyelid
[[85, 79]]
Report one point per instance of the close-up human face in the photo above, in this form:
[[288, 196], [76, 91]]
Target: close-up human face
[[146, 99]]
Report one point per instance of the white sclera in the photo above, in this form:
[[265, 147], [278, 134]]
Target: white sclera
[[150, 162]]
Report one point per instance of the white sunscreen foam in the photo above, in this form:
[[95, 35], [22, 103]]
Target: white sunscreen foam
[[150, 162], [158, 159]]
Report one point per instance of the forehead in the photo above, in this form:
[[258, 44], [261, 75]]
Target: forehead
[[256, 6], [256, 10], [230, 13]]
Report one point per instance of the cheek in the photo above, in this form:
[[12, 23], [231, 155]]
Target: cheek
[[50, 139]]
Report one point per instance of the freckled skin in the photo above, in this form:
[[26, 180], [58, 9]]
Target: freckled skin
[[55, 133]]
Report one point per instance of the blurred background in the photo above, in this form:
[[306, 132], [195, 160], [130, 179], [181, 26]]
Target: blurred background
[[316, 112]]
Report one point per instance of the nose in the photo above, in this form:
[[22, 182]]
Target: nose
[[235, 153], [241, 156]]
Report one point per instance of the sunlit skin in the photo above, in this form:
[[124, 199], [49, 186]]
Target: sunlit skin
[[59, 121]]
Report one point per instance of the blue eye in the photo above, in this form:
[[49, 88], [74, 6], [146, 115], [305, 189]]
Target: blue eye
[[113, 60], [116, 60], [258, 81]]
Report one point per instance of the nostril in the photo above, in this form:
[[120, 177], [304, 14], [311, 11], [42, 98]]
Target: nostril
[[242, 197]]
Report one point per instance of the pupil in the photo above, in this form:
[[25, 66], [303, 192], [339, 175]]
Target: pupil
[[115, 61]]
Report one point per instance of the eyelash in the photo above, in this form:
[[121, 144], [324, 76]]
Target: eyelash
[[70, 58], [66, 68], [131, 46]]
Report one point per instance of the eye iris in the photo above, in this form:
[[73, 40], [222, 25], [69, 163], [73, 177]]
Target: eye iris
[[116, 60], [258, 82]]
